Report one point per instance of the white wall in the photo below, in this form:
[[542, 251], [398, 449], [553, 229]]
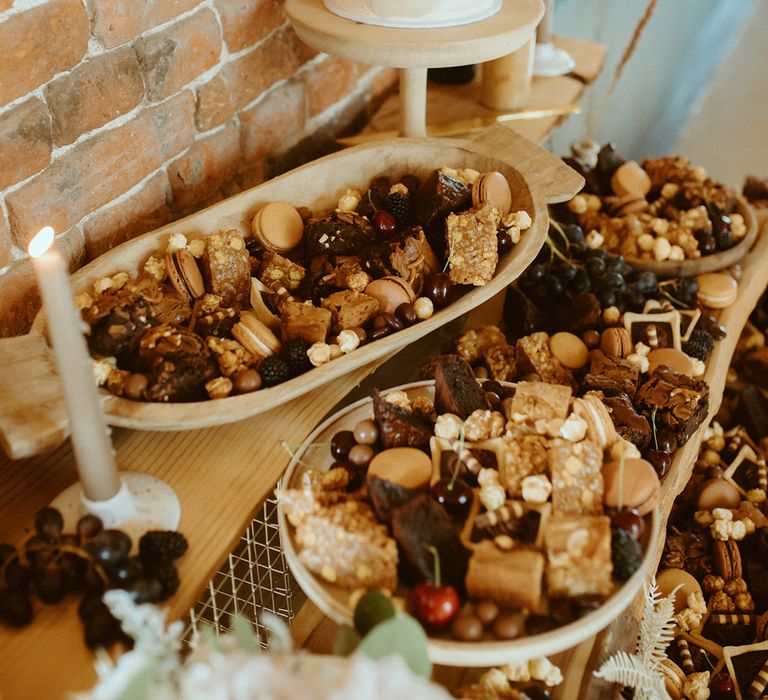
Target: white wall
[[665, 79]]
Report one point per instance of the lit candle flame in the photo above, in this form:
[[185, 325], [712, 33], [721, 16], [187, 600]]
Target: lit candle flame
[[41, 242]]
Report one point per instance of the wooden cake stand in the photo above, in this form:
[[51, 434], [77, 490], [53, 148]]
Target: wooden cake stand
[[415, 50]]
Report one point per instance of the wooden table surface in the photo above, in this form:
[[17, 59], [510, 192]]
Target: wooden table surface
[[220, 474]]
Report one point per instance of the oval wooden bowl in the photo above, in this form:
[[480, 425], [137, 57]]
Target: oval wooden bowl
[[333, 600], [707, 263], [536, 177]]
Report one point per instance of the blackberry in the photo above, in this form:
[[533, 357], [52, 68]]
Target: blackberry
[[399, 206], [699, 345], [161, 545], [295, 354], [274, 370], [626, 554], [168, 578]]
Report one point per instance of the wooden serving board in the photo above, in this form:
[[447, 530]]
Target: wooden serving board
[[536, 177], [707, 263]]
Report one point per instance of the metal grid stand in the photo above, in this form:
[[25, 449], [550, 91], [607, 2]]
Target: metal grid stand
[[255, 578]]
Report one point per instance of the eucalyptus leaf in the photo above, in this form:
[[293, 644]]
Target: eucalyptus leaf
[[403, 636], [372, 608], [346, 641], [138, 688], [244, 634]]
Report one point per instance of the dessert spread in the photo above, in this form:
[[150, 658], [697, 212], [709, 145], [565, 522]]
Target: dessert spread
[[523, 500], [661, 209], [223, 315]]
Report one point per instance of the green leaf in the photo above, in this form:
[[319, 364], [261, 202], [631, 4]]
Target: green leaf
[[374, 607], [244, 634], [138, 688], [402, 636], [346, 641]]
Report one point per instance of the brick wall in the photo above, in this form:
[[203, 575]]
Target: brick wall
[[118, 116]]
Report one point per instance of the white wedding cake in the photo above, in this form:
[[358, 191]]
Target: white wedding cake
[[414, 14]]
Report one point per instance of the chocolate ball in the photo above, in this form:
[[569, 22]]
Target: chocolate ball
[[366, 432], [508, 626], [135, 385], [591, 339], [341, 443], [487, 611], [361, 455], [406, 314], [247, 380], [467, 627]]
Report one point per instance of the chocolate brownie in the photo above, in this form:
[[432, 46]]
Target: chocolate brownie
[[456, 390], [680, 403], [423, 521], [339, 233], [438, 197], [611, 375], [399, 427], [628, 422], [115, 321]]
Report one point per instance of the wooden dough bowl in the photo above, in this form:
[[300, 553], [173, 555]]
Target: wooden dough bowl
[[707, 263], [333, 601], [536, 177]]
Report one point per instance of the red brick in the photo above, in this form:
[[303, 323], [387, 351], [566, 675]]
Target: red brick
[[39, 43], [277, 58], [204, 168], [117, 21], [5, 5], [99, 170], [93, 94], [19, 298], [143, 211], [275, 123], [172, 58], [247, 22], [25, 141], [5, 241], [214, 103], [72, 247], [331, 81]]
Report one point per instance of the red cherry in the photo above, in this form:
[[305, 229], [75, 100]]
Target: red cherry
[[721, 685], [385, 223], [660, 460], [454, 495], [434, 606], [630, 520]]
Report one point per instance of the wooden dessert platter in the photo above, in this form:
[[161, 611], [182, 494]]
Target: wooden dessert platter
[[333, 601], [707, 263], [535, 176]]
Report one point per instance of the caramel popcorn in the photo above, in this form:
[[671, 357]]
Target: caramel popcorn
[[219, 388], [474, 343], [448, 426], [231, 356], [483, 425]]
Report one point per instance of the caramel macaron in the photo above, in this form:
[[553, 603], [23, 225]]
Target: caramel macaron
[[390, 291], [630, 179], [492, 188], [676, 360], [717, 290], [405, 466], [278, 226], [638, 487], [718, 493], [600, 427], [184, 274], [569, 350], [255, 336], [674, 678], [615, 342], [667, 580]]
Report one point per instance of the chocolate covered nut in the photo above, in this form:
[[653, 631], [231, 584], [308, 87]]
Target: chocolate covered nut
[[569, 349], [591, 339], [508, 626], [487, 611], [248, 380], [467, 627], [135, 386]]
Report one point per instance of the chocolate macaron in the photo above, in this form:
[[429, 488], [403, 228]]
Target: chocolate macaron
[[492, 188], [184, 274], [615, 342], [278, 226], [255, 336]]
